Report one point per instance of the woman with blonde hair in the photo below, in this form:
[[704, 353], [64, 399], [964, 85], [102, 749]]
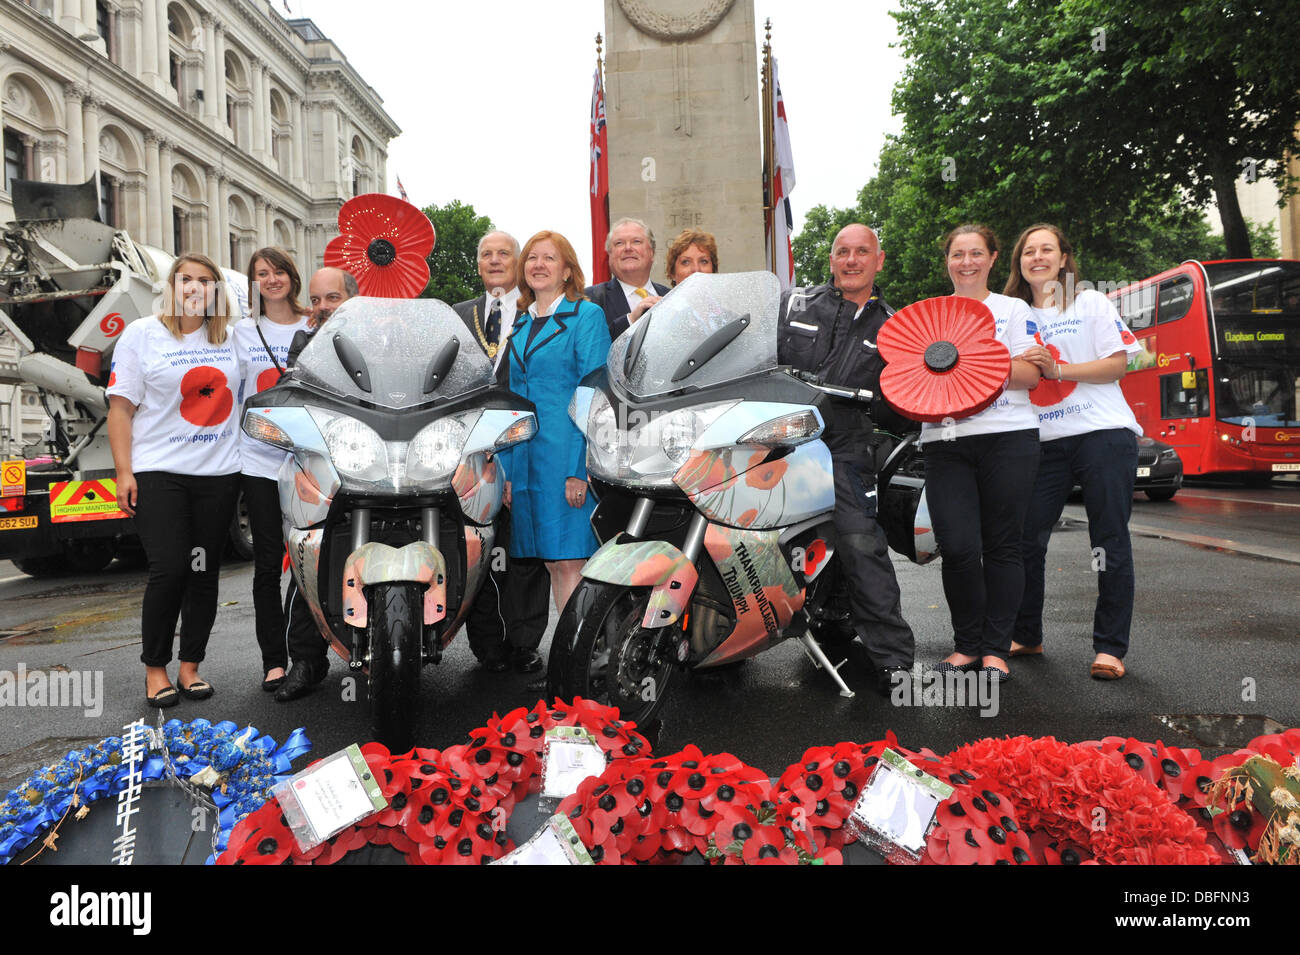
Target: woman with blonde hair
[[172, 425], [558, 338]]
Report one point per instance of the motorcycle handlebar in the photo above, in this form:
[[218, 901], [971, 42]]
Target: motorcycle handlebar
[[838, 391]]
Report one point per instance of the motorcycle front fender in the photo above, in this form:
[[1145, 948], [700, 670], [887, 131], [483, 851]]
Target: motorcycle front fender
[[376, 563], [659, 565]]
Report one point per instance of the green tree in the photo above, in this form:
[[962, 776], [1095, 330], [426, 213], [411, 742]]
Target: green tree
[[453, 264]]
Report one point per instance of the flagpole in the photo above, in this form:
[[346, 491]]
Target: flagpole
[[769, 148]]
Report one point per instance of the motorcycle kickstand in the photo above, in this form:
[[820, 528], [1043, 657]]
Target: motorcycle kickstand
[[819, 659]]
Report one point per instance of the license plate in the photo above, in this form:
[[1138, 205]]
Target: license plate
[[17, 523], [1144, 472], [1286, 467]]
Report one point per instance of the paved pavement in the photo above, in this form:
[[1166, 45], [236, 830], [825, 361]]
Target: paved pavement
[[1216, 632]]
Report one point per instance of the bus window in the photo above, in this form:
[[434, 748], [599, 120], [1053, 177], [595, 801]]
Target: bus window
[[1175, 299], [1138, 308], [1185, 394]]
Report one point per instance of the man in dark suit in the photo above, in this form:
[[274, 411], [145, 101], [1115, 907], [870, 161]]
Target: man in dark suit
[[625, 297], [509, 616]]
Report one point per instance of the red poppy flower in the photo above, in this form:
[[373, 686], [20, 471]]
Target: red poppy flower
[[766, 476], [944, 359], [385, 243]]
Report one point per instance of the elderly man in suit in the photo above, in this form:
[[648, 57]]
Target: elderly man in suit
[[510, 613], [625, 297]]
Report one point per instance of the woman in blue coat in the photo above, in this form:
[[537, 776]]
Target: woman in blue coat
[[558, 338]]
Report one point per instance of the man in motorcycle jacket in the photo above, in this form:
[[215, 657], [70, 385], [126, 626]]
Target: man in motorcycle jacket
[[830, 330]]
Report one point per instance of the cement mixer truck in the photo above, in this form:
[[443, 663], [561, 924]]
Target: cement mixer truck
[[69, 285]]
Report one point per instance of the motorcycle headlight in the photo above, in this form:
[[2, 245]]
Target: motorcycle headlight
[[436, 450], [355, 449], [677, 435], [602, 428]]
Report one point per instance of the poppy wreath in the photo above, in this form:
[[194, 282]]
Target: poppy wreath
[[444, 806], [385, 243], [238, 765]]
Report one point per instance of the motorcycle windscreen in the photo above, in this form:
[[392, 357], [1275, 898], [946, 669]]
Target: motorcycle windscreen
[[708, 329], [395, 353]]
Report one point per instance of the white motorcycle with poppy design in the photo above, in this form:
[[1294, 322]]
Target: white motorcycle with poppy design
[[394, 420], [716, 496]]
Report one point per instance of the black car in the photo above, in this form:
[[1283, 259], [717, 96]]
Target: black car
[[1159, 469]]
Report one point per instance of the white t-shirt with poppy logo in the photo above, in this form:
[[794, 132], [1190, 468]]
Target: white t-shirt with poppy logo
[[1011, 411], [259, 373], [1086, 331], [184, 391]]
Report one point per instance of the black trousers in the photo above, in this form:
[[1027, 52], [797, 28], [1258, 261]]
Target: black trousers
[[262, 498], [513, 606], [863, 556], [978, 488], [182, 521], [306, 645]]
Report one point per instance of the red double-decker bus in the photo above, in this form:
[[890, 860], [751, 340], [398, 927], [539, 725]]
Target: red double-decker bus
[[1218, 376]]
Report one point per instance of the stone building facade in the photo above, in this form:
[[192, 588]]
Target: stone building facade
[[213, 125]]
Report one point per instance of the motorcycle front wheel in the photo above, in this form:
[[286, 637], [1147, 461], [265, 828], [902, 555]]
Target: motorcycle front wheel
[[601, 652], [393, 629]]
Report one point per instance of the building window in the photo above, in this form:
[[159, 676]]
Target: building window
[[230, 111], [178, 230], [104, 27], [14, 159], [108, 211], [175, 67]]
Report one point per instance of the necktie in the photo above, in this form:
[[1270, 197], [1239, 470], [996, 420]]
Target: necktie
[[641, 293], [493, 329]]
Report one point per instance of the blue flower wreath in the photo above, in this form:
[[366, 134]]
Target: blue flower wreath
[[247, 767]]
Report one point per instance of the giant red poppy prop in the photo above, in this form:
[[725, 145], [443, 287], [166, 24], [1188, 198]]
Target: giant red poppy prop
[[385, 243], [944, 359]]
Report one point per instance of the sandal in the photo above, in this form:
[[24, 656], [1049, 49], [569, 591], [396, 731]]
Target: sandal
[[198, 690], [167, 696]]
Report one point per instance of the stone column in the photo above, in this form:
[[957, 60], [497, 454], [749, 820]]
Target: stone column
[[135, 212], [298, 251], [215, 239], [258, 68], [115, 186], [153, 198], [128, 20], [304, 126], [259, 220], [165, 194], [268, 229], [330, 148], [90, 116], [88, 18], [211, 98], [149, 44], [164, 50], [223, 218], [295, 141], [29, 158], [51, 160], [219, 65], [73, 93]]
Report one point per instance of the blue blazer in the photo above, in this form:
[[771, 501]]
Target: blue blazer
[[569, 344]]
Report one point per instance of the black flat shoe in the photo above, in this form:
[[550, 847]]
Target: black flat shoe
[[527, 661], [164, 698], [889, 677], [302, 680], [198, 690], [1000, 676], [270, 686], [946, 667]]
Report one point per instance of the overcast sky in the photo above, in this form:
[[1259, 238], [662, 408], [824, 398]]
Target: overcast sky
[[494, 98]]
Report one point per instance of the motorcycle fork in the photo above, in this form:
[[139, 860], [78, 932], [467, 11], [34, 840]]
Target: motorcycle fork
[[431, 649], [664, 642]]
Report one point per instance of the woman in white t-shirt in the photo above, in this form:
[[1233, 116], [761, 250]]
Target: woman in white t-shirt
[[262, 344], [978, 474], [1089, 438], [172, 427]]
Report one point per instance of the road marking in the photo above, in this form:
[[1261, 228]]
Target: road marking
[[1237, 500]]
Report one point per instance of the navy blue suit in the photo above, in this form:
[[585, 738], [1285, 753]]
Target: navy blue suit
[[609, 296]]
